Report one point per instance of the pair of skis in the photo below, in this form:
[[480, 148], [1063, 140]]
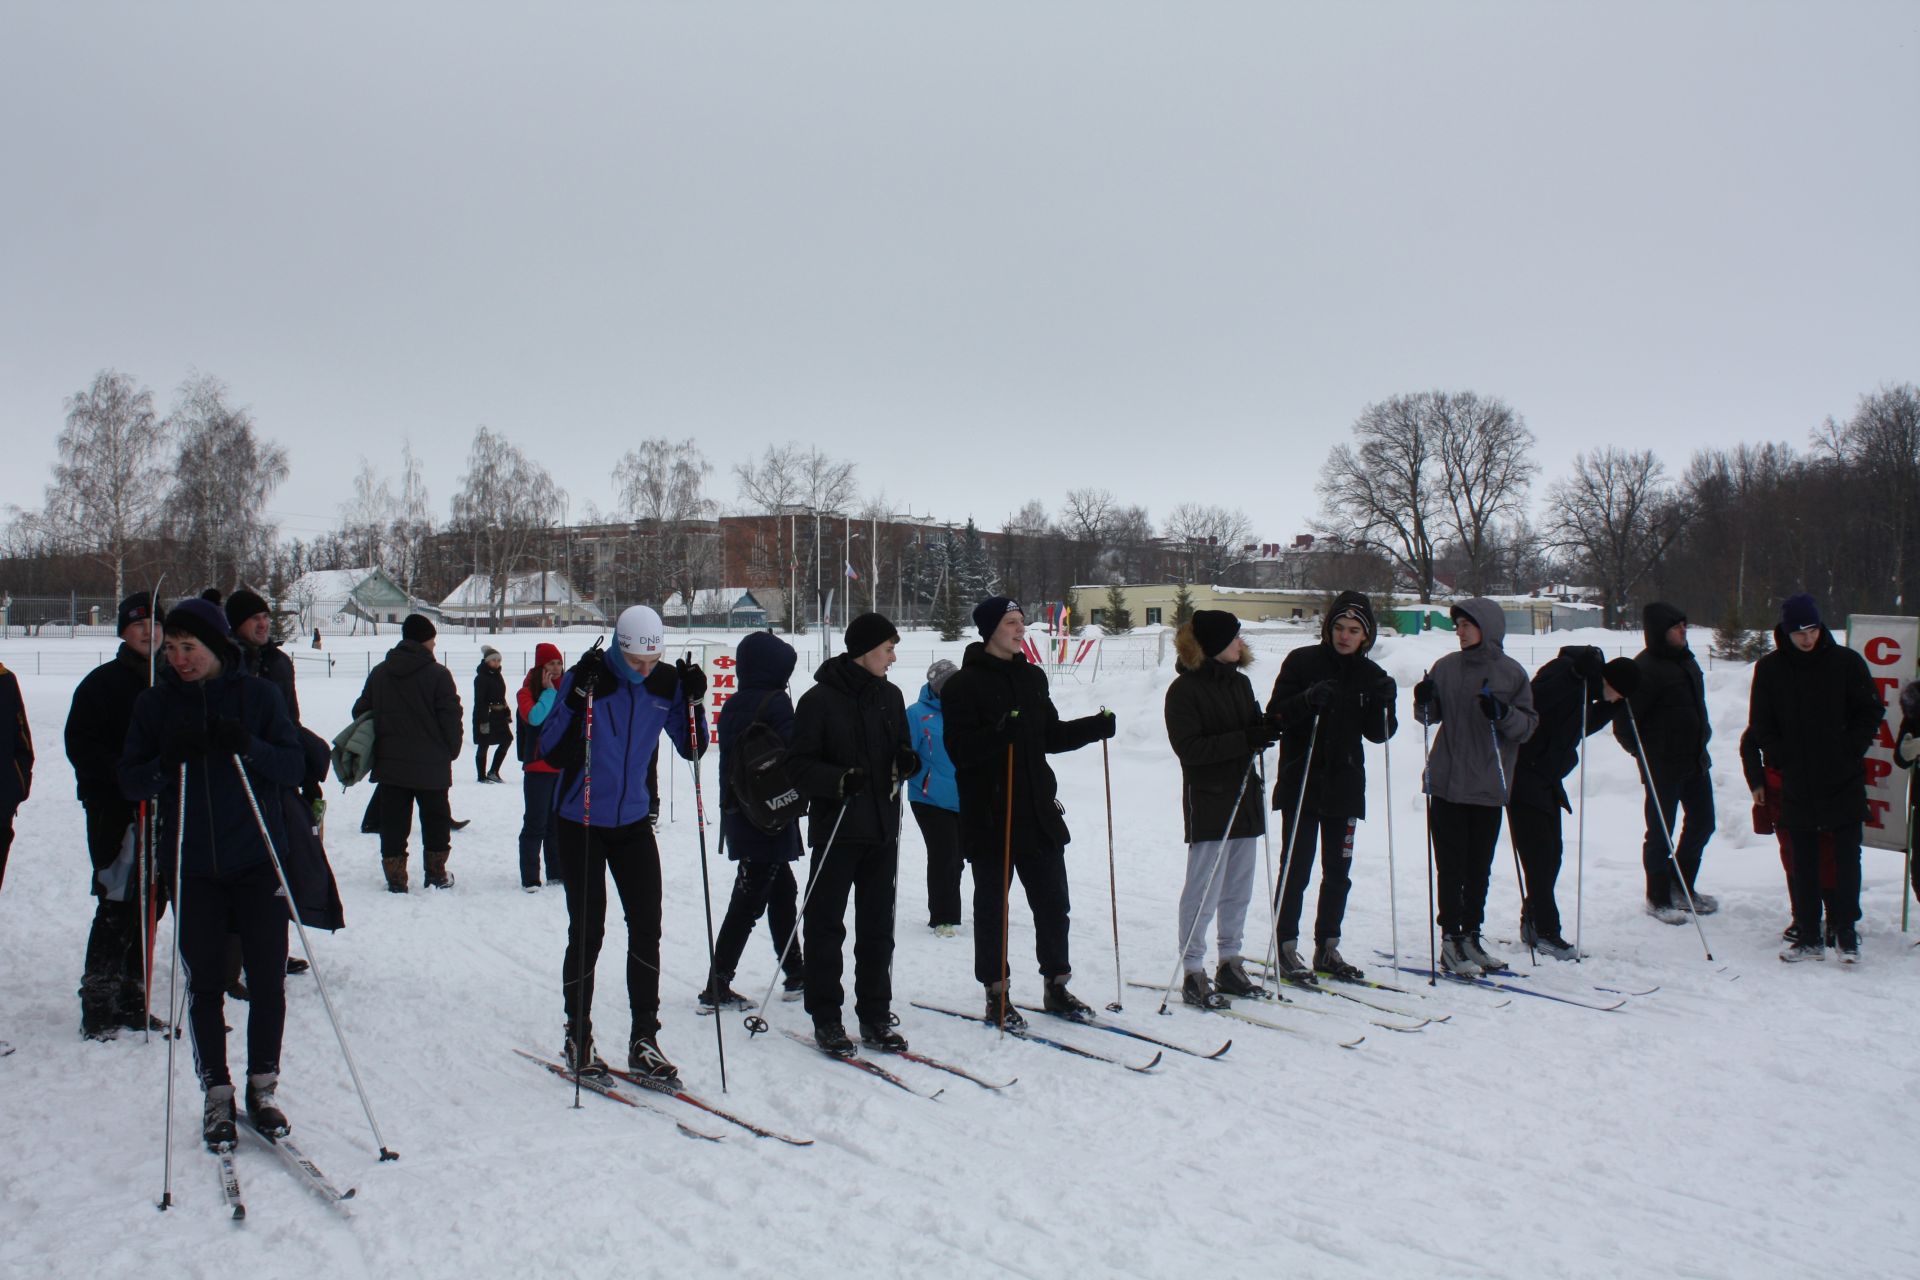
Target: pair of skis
[[1031, 1036], [303, 1169], [1224, 1010], [606, 1086]]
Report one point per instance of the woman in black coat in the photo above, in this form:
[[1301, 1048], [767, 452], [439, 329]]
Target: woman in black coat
[[492, 716], [1327, 698]]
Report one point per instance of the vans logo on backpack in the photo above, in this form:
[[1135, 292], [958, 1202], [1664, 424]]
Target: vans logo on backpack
[[759, 781]]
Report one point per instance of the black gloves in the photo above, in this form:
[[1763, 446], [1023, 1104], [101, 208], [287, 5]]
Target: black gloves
[[1423, 693], [183, 742], [1007, 727], [229, 736], [693, 681], [663, 681], [590, 677], [1261, 736], [1590, 665], [1105, 725], [1319, 694], [852, 782], [906, 762], [1491, 707], [1386, 691]]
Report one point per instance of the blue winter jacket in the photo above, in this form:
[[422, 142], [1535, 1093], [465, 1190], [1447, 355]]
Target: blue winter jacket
[[764, 663], [627, 725], [222, 835], [935, 784]]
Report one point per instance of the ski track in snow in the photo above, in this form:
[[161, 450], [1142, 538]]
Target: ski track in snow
[[1747, 1119]]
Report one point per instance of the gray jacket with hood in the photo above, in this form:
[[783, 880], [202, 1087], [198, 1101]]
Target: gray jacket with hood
[[1462, 767]]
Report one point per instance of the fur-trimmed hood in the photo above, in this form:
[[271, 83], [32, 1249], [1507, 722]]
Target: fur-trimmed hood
[[1189, 656]]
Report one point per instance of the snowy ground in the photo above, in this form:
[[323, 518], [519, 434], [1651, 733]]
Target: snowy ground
[[1745, 1119]]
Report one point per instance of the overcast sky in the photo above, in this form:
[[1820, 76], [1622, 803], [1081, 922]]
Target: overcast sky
[[991, 251]]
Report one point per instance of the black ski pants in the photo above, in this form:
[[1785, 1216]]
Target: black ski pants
[[1464, 839], [867, 872], [940, 828], [1335, 837], [1042, 869], [247, 904], [588, 855], [759, 885], [1842, 901], [1694, 796], [396, 819], [1536, 834], [6, 837], [480, 768]]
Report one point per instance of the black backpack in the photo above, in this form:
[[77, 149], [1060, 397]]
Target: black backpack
[[763, 792]]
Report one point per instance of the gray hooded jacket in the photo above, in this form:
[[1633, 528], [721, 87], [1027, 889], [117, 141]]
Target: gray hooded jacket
[[1462, 767]]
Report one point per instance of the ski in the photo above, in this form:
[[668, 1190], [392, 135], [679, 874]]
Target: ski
[[592, 1082], [1227, 1011], [230, 1182], [1101, 1024], [912, 1055], [867, 1065], [1491, 985], [1616, 991], [1034, 1038], [1357, 982], [674, 1091], [304, 1169], [1419, 1020]]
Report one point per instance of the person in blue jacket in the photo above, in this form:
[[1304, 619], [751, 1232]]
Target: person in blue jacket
[[935, 797], [203, 713], [763, 882], [602, 807]]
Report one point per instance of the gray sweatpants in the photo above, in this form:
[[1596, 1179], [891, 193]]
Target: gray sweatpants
[[1227, 897]]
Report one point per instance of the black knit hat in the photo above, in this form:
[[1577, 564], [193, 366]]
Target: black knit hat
[[417, 627], [1622, 676], [1215, 630], [202, 620], [987, 614], [137, 607], [244, 604], [868, 632]]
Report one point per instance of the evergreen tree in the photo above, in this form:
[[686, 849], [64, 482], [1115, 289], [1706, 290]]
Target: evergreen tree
[[1182, 605], [972, 566], [948, 615], [1119, 619], [1071, 603]]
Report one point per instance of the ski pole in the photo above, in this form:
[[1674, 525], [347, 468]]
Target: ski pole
[[1266, 846], [706, 888], [142, 867], [1513, 842], [1213, 875], [173, 983], [1006, 894], [754, 1022], [1393, 899], [1426, 790], [1660, 812], [313, 961], [1580, 855], [1113, 881], [577, 1017], [1286, 852]]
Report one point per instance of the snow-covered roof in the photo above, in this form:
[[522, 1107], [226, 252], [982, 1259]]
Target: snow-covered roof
[[527, 594], [710, 600]]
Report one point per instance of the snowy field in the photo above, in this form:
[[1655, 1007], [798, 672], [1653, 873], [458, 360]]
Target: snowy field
[[1744, 1119]]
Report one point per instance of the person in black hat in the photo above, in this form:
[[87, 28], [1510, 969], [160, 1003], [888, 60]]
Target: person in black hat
[[416, 735], [112, 990], [1001, 722], [1575, 695], [1326, 699], [851, 752], [1814, 710], [1666, 729]]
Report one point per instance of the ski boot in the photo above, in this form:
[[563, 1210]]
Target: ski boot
[[1554, 947], [644, 1059], [263, 1113], [832, 1038], [1230, 978], [1198, 992], [794, 985], [881, 1035], [216, 1120], [1801, 951], [586, 1062], [1328, 960], [719, 995], [1455, 960], [1292, 967], [1001, 1010], [1488, 962], [1062, 1001], [1703, 903], [1849, 946]]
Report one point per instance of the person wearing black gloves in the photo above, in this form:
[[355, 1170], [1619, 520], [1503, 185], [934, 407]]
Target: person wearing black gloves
[[850, 755], [1326, 699], [416, 736], [1001, 724], [1814, 709], [1665, 729], [112, 991], [1483, 704], [1575, 695], [203, 714], [602, 734], [1216, 728]]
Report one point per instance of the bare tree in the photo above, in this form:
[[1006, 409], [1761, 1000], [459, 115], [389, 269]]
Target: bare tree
[[1615, 517], [505, 501], [1882, 443], [411, 534], [105, 499], [791, 481], [662, 485], [1485, 456], [1087, 518], [1384, 492], [366, 518], [1210, 538], [222, 480]]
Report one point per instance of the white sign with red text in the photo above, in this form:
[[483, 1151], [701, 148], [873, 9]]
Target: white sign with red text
[[1891, 647]]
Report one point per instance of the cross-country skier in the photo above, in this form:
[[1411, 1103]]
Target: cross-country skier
[[1669, 719]]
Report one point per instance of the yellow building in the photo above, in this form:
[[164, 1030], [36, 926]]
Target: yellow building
[[1153, 604]]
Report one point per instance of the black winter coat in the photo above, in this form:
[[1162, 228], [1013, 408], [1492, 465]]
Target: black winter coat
[[16, 745], [492, 717], [221, 836], [1337, 786], [1669, 707], [1569, 710], [97, 725], [763, 664], [1209, 711], [849, 718], [271, 663], [1813, 716], [980, 700], [416, 719]]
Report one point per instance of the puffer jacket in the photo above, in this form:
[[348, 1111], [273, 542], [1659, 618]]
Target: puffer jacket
[[850, 718], [1359, 709], [764, 664], [416, 719], [1463, 766], [16, 745], [935, 784], [1813, 716], [1210, 707], [1669, 709], [1568, 710], [97, 725]]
